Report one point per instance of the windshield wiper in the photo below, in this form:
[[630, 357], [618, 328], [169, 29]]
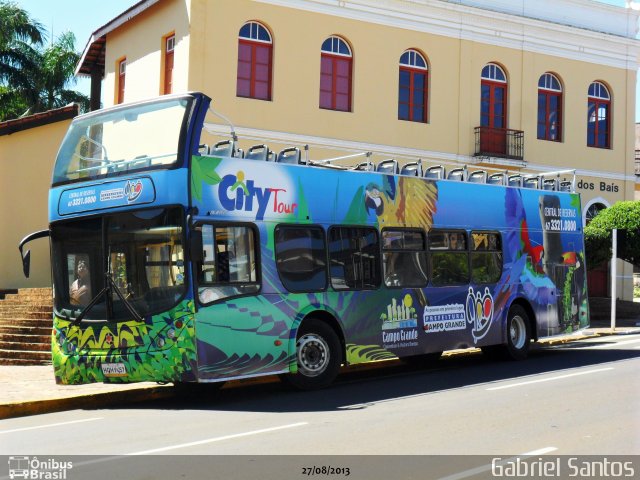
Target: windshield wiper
[[109, 288]]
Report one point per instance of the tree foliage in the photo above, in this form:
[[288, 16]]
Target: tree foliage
[[34, 77], [625, 216]]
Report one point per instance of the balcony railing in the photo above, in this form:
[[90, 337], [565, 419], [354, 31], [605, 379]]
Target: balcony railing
[[499, 142]]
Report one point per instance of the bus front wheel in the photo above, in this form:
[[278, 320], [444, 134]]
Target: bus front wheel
[[518, 333], [318, 355]]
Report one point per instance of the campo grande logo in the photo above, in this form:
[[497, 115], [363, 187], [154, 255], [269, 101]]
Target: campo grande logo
[[479, 312]]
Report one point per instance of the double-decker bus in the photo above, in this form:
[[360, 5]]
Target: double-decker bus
[[177, 262]]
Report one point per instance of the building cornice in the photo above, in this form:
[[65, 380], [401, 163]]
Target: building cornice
[[491, 27]]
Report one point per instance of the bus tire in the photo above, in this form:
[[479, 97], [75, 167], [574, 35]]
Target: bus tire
[[518, 333], [319, 355]]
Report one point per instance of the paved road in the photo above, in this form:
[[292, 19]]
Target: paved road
[[572, 399]]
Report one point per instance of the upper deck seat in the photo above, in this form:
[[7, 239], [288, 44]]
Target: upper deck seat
[[413, 169], [388, 166], [437, 172], [291, 156]]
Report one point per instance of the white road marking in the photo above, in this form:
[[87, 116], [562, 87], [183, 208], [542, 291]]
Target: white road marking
[[51, 425], [549, 379], [616, 344], [219, 439], [542, 451], [485, 468]]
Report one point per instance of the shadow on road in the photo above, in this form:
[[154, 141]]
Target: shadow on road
[[356, 389]]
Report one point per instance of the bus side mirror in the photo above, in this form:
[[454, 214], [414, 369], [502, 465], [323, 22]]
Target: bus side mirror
[[26, 263], [26, 257]]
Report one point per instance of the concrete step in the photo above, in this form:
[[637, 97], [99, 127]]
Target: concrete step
[[25, 346], [25, 330], [26, 322], [25, 314], [25, 308], [44, 302], [24, 361], [25, 355], [35, 291]]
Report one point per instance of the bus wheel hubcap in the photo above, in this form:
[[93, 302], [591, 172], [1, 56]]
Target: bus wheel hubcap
[[313, 355], [517, 332]]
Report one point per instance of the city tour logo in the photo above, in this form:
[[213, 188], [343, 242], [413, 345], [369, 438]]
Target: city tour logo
[[479, 312], [237, 193]]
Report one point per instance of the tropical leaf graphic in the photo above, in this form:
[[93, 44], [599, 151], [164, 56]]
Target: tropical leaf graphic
[[367, 353], [203, 170]]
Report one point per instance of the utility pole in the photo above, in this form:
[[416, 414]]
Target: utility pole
[[614, 276]]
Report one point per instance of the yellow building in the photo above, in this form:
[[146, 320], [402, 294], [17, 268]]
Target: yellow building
[[28, 147], [531, 87]]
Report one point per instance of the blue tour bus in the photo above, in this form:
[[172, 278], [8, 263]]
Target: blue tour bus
[[178, 262]]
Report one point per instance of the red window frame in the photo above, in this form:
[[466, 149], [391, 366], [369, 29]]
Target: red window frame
[[330, 67], [252, 72], [122, 70], [597, 104], [488, 119], [413, 72], [546, 124], [168, 64]]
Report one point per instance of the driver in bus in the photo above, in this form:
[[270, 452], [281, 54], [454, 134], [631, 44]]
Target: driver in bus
[[80, 290]]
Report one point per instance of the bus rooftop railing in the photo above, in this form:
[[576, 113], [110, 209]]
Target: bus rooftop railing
[[550, 181]]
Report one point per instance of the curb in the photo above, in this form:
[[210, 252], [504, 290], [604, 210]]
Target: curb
[[92, 401]]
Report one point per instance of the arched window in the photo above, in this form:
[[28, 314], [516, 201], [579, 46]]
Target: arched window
[[592, 211], [413, 87], [493, 110], [549, 108], [599, 116], [493, 97], [335, 74], [255, 53]]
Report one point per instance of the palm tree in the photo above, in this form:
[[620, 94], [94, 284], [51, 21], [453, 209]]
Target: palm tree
[[53, 74], [19, 34], [34, 78]]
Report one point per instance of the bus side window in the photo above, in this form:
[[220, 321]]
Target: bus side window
[[404, 258], [449, 257], [354, 253], [486, 257], [227, 267], [301, 257]]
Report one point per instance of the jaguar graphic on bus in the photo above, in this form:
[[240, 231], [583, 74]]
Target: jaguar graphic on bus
[[180, 262]]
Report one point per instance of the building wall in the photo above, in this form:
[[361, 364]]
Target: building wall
[[579, 41], [141, 41], [26, 163]]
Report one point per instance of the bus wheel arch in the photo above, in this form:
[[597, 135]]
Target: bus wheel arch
[[533, 325], [519, 330], [319, 352]]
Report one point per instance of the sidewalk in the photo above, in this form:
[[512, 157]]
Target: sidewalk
[[31, 390]]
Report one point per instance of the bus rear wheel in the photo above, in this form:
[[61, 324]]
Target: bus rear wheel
[[318, 354], [518, 333]]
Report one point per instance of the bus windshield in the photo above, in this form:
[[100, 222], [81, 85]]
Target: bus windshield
[[141, 251], [123, 139]]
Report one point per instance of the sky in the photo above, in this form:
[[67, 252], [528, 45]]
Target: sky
[[83, 17]]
